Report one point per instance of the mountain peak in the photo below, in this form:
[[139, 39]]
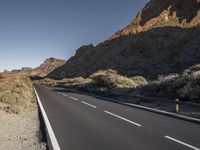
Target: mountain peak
[[47, 66]]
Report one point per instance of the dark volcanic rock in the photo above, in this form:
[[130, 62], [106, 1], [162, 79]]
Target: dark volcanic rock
[[162, 39]]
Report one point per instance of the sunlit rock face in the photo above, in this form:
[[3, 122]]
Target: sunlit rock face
[[182, 13]]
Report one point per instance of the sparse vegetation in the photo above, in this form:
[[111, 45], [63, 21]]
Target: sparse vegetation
[[47, 81], [1, 77], [111, 79], [139, 80], [185, 86], [16, 91], [100, 82], [79, 81]]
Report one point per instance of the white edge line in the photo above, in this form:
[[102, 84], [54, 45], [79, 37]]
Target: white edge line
[[88, 104], [180, 142], [52, 136], [123, 118]]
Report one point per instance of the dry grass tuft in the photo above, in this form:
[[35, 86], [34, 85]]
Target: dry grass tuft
[[110, 79], [16, 91], [47, 81], [78, 81]]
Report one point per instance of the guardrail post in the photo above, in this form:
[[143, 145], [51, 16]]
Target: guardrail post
[[177, 105]]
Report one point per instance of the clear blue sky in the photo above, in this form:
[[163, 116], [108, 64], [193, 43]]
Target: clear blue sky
[[33, 30]]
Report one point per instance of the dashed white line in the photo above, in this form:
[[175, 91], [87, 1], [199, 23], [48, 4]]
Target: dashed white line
[[88, 104], [52, 136], [73, 98], [136, 124], [180, 142], [65, 95]]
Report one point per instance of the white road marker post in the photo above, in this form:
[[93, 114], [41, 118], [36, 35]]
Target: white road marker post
[[177, 106]]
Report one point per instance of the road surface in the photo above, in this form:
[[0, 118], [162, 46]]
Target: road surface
[[82, 122]]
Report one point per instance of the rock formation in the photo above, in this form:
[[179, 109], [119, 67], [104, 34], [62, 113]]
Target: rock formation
[[162, 39]]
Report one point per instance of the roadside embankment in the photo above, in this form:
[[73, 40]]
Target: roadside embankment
[[20, 125]]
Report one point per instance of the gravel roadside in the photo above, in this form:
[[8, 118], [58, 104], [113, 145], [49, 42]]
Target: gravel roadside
[[20, 132]]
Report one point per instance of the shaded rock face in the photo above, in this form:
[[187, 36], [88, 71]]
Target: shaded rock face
[[162, 39]]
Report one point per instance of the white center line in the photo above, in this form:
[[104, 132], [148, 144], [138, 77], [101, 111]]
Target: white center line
[[123, 118], [180, 142], [65, 95], [88, 104], [73, 98]]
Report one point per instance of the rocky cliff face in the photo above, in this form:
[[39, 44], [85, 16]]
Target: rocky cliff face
[[162, 39], [47, 67], [159, 13]]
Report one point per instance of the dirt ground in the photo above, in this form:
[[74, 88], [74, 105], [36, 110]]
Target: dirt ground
[[20, 132]]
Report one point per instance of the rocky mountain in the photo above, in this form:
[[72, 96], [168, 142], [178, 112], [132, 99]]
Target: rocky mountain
[[47, 67], [162, 39], [22, 71], [160, 13], [44, 69]]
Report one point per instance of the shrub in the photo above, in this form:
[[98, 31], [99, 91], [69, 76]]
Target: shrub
[[110, 78], [185, 86], [47, 81], [74, 81], [16, 90], [139, 80]]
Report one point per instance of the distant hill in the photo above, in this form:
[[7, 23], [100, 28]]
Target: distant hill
[[162, 39], [44, 69], [47, 67]]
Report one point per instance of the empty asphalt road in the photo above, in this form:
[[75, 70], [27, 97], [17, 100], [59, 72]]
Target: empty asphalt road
[[82, 122]]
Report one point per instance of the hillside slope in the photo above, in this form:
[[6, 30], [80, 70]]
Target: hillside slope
[[47, 67], [159, 13], [162, 39], [44, 69]]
